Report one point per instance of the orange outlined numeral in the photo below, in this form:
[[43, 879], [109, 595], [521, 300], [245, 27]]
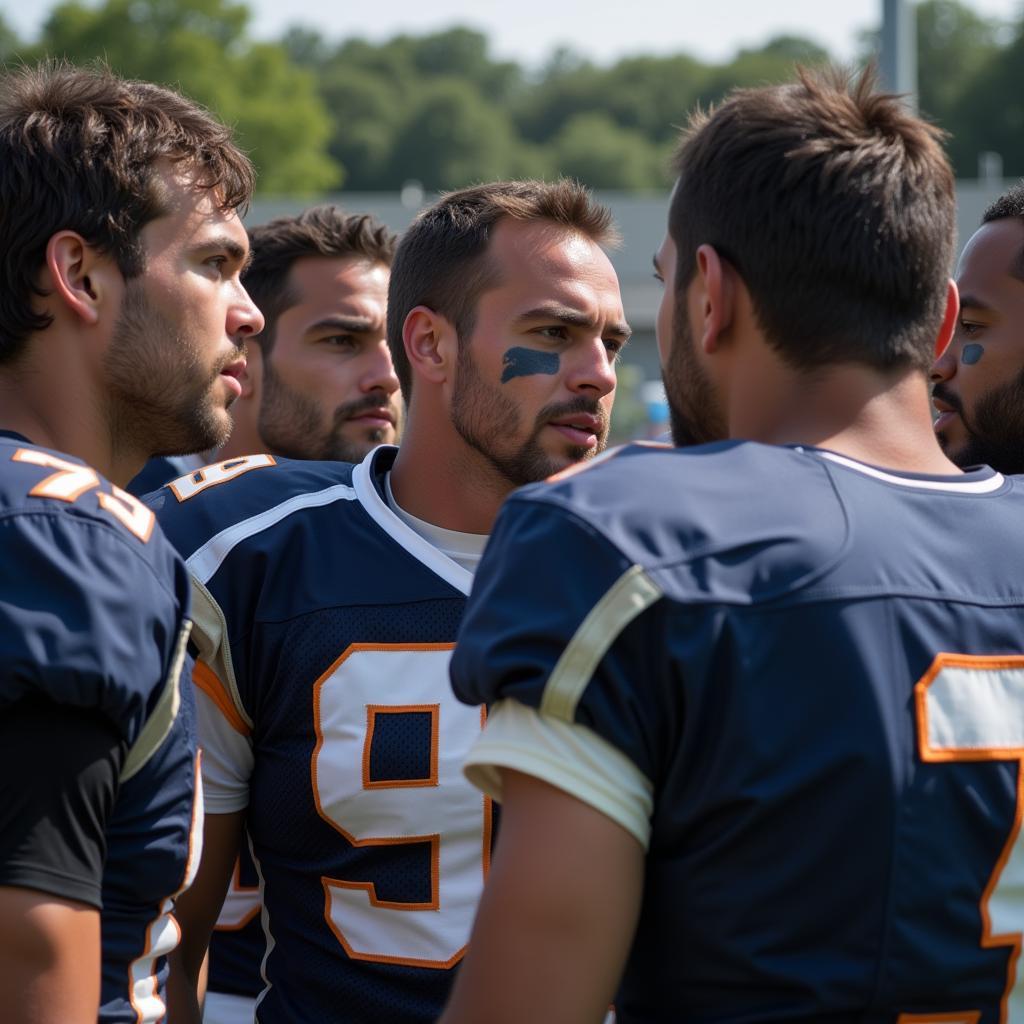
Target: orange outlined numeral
[[444, 814], [241, 904], [372, 713], [191, 484], [128, 511], [70, 481], [971, 708]]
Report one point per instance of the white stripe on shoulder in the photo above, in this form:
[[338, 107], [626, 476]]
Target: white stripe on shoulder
[[984, 486], [205, 561], [403, 534]]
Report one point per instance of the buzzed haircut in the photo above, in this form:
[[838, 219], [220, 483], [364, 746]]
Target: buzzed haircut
[[79, 151], [836, 206], [325, 231], [442, 260], [1009, 205]]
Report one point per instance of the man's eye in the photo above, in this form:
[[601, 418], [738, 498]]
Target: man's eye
[[554, 331], [340, 340], [217, 262], [969, 329]]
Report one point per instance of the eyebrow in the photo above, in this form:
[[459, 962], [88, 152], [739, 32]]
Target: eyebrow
[[348, 324], [574, 318], [973, 302], [238, 253]]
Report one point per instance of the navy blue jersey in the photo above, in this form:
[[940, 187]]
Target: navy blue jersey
[[237, 945], [324, 627], [93, 604], [799, 681]]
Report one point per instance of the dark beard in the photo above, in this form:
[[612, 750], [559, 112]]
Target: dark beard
[[157, 402], [995, 430], [482, 414], [693, 414], [290, 423]]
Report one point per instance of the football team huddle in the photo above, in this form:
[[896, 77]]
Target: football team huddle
[[349, 678]]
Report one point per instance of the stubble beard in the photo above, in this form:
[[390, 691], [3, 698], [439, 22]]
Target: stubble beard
[[159, 397], [290, 423], [483, 417], [694, 415]]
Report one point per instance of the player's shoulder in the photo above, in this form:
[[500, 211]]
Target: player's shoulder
[[250, 488], [53, 494], [93, 599], [691, 514]]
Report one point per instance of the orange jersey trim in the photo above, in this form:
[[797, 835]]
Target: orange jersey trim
[[206, 679]]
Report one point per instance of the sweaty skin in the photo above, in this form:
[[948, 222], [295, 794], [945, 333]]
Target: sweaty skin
[[523, 362]]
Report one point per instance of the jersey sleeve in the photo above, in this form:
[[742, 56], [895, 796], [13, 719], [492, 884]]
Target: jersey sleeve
[[59, 769], [562, 624], [86, 620]]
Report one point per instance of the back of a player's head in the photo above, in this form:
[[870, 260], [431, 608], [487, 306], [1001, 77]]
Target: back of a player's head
[[836, 206], [321, 231], [441, 260], [1009, 206], [80, 151]]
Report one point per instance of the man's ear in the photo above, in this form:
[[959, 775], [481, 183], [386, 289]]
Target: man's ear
[[949, 318], [430, 343], [716, 296], [80, 277]]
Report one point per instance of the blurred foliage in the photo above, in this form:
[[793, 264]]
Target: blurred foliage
[[200, 47], [440, 109]]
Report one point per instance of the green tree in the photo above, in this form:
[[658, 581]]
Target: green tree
[[774, 62], [452, 137], [10, 44], [602, 154], [989, 113], [200, 47]]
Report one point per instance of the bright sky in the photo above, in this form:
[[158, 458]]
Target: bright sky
[[528, 30]]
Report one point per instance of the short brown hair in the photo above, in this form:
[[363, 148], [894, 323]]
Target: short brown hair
[[78, 151], [1009, 205], [319, 231], [442, 262], [836, 206]]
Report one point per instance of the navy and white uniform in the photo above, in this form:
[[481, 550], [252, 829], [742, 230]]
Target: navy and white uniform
[[99, 798], [234, 979], [798, 681], [324, 626]]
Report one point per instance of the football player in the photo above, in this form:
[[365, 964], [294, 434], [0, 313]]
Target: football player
[[318, 384], [757, 706], [328, 597], [979, 380], [122, 322]]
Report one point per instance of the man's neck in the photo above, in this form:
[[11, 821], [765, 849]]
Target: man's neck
[[883, 419], [439, 479], [52, 412]]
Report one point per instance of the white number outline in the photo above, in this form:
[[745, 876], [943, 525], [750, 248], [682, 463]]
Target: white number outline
[[932, 752], [369, 888]]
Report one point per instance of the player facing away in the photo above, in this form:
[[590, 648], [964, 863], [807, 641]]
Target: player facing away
[[757, 706], [318, 384], [327, 599], [122, 322], [979, 380]]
